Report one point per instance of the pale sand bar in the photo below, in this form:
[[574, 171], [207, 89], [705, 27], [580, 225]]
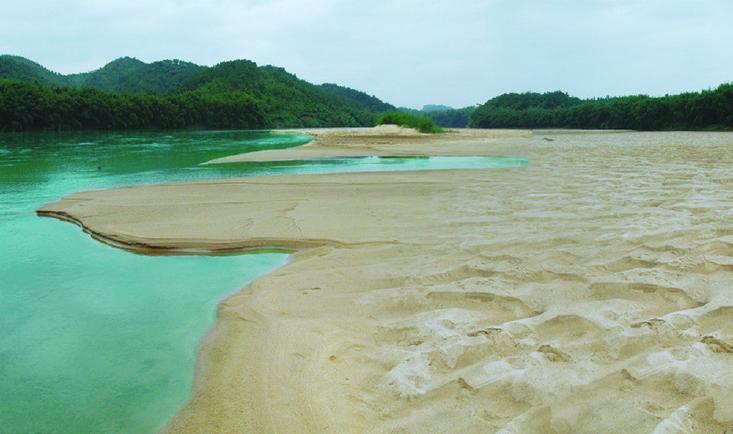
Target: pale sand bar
[[589, 292], [383, 141]]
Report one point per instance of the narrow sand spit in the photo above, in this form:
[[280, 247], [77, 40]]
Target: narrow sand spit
[[384, 141], [589, 292]]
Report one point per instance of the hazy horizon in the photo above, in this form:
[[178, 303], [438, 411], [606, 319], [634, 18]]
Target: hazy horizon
[[409, 54]]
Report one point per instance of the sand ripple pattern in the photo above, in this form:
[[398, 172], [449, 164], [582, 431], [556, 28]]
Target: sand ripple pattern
[[589, 292], [594, 293]]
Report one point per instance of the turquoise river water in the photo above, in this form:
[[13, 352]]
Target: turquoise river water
[[96, 339]]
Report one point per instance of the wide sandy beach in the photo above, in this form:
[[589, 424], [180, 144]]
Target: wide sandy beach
[[591, 291]]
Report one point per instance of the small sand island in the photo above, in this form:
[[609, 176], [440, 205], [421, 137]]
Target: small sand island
[[587, 292]]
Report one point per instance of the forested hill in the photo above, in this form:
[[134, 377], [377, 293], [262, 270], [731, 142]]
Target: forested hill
[[287, 100], [710, 109], [128, 93], [22, 69], [124, 75], [356, 99], [129, 75]]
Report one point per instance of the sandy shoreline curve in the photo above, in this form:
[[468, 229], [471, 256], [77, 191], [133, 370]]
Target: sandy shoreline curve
[[588, 292]]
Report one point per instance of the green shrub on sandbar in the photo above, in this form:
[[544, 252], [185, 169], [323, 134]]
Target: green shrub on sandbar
[[420, 123]]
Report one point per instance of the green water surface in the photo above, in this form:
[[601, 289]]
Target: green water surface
[[96, 339]]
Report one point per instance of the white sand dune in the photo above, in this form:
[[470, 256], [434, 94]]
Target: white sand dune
[[589, 292]]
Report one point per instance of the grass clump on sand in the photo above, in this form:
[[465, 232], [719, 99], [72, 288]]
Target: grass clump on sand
[[420, 123]]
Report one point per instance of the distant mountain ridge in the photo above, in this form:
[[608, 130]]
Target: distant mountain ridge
[[232, 94]]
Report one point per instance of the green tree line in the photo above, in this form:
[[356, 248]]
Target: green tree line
[[443, 116], [30, 107], [452, 118], [710, 109]]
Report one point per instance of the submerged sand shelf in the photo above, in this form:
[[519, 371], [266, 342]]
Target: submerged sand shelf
[[589, 292]]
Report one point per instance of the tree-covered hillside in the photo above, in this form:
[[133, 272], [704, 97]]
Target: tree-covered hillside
[[523, 101], [710, 109], [285, 100], [128, 93], [22, 69], [124, 75], [367, 106], [129, 75]]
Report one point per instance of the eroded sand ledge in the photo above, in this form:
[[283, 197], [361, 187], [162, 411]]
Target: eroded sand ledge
[[588, 292]]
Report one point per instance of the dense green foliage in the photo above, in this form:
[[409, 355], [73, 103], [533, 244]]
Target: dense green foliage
[[285, 100], [124, 75], [30, 107], [712, 109], [174, 94], [421, 123], [523, 101], [454, 118], [128, 75], [366, 106], [443, 116], [22, 69]]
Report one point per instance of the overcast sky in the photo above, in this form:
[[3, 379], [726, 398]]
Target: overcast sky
[[407, 52]]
